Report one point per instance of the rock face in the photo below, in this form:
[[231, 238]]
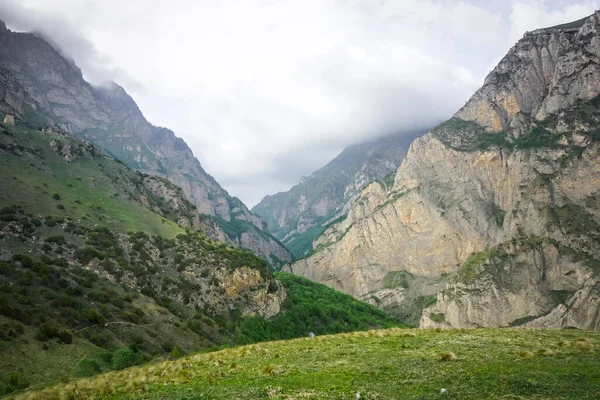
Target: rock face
[[496, 212], [37, 81], [298, 216]]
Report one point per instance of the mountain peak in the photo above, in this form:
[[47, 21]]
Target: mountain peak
[[547, 70]]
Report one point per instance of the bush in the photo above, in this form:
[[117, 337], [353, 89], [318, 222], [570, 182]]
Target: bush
[[87, 254], [46, 332], [87, 367], [56, 239], [124, 358], [65, 337], [56, 196], [12, 382], [95, 317]]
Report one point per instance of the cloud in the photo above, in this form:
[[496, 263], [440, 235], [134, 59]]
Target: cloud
[[68, 40], [267, 91]]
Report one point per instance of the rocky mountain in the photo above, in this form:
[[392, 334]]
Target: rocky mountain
[[494, 216], [301, 214], [52, 86]]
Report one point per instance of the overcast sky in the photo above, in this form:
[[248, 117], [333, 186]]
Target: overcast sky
[[266, 91]]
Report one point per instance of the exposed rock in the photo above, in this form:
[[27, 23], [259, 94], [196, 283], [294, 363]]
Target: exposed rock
[[465, 196], [9, 119]]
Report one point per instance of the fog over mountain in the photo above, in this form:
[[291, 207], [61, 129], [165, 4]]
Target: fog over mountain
[[265, 92]]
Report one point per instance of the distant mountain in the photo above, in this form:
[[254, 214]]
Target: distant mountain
[[301, 214], [53, 87]]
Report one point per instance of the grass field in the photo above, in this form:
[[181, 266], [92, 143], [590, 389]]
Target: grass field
[[385, 364]]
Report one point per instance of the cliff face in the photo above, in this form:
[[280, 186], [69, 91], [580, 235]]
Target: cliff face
[[496, 212], [298, 216], [53, 86]]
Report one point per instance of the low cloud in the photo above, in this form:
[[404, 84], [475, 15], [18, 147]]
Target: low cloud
[[265, 92]]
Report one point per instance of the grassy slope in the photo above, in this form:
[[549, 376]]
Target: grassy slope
[[32, 181], [388, 364]]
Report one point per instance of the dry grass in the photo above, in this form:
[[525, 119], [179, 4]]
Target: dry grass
[[269, 370], [525, 354], [545, 352], [581, 341], [446, 356]]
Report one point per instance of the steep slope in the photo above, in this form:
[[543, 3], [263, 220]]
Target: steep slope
[[496, 212], [108, 116], [300, 215]]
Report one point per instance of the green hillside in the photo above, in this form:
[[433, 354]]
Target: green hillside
[[386, 364], [94, 189]]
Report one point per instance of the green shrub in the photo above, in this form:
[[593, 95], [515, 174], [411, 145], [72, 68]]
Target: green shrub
[[65, 337], [56, 196], [95, 317], [123, 358], [87, 254], [12, 382], [46, 332], [56, 239], [87, 367]]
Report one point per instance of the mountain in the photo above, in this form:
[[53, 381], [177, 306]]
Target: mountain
[[494, 216], [53, 87], [300, 215], [99, 270]]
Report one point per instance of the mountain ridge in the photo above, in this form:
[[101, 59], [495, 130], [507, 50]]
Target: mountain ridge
[[110, 118]]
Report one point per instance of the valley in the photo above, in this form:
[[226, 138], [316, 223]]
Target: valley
[[460, 261]]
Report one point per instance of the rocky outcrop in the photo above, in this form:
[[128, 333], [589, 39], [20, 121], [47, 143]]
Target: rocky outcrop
[[521, 160], [299, 215], [35, 77], [171, 198], [537, 286], [12, 96]]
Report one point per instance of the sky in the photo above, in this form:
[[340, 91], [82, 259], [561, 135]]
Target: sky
[[267, 91]]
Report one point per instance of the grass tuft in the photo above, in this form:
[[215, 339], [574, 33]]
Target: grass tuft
[[525, 354], [269, 370], [446, 356], [545, 352]]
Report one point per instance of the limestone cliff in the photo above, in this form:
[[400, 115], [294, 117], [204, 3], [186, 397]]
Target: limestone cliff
[[43, 88], [496, 212]]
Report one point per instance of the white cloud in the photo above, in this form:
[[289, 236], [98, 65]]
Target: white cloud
[[265, 91]]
